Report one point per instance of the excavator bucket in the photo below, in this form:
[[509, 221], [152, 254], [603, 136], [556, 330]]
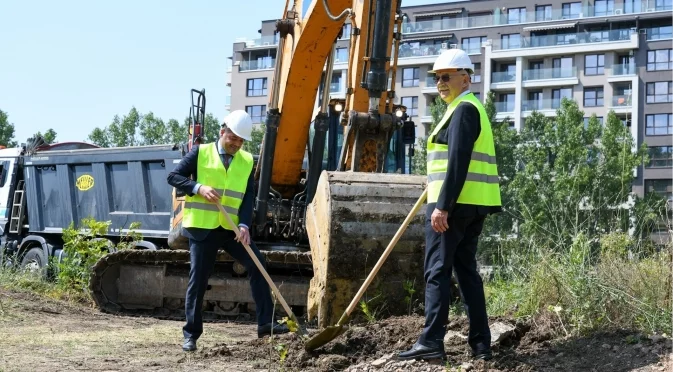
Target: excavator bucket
[[350, 221]]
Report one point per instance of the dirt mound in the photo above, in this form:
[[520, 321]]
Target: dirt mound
[[528, 347]]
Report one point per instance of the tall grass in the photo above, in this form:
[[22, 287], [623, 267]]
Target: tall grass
[[622, 285]]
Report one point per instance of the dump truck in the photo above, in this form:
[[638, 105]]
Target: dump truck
[[46, 188], [323, 225]]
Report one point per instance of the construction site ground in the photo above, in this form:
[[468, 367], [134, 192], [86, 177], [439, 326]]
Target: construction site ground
[[41, 334]]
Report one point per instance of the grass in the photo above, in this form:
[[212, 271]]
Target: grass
[[619, 286]]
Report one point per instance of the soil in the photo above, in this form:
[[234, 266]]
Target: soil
[[40, 334]]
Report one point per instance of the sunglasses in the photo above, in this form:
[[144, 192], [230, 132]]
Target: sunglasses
[[445, 77]]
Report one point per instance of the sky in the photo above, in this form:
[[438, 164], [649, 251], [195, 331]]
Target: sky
[[72, 65]]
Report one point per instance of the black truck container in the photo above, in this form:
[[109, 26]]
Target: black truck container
[[54, 186]]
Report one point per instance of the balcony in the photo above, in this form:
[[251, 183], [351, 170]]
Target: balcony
[[546, 107], [622, 73], [531, 16], [574, 42], [227, 102], [504, 110], [621, 104], [430, 87], [427, 115], [548, 77], [412, 55], [257, 65], [503, 80], [262, 42]]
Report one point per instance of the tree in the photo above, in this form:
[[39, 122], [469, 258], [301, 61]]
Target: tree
[[254, 146], [6, 131], [153, 131], [49, 136], [177, 133], [573, 179]]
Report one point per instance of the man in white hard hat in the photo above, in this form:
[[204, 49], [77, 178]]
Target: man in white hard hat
[[221, 172], [463, 189]]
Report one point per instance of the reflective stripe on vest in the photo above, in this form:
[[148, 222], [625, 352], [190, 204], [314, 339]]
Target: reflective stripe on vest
[[229, 183], [482, 183]]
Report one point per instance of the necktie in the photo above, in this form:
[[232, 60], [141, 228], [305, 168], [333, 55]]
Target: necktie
[[226, 160]]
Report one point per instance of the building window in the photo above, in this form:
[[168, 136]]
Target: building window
[[593, 97], [341, 55], [658, 124], [558, 94], [658, 33], [257, 113], [410, 77], [472, 45], [346, 31], [662, 188], [603, 8], [594, 64], [256, 87], [543, 13], [411, 103], [661, 59], [511, 41], [660, 156], [659, 92], [476, 77], [506, 103], [562, 67], [571, 10], [516, 15]]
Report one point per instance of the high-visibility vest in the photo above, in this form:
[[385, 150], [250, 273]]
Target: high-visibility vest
[[482, 183], [229, 183]]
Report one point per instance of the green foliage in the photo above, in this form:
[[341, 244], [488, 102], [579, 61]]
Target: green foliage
[[6, 131], [370, 314], [137, 129], [83, 247], [410, 289], [49, 136], [254, 146]]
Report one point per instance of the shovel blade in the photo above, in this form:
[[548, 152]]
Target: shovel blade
[[326, 335]]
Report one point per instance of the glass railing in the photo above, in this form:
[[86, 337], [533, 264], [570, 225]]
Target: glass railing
[[566, 39], [540, 104], [262, 41], [503, 77], [407, 51], [549, 73], [621, 101], [227, 100], [619, 70], [257, 65], [504, 106], [534, 16]]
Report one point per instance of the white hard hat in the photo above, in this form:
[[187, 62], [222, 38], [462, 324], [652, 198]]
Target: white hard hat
[[453, 58], [240, 123]]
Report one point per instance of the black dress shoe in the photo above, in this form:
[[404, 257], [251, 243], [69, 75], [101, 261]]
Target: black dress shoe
[[265, 329], [189, 345], [484, 354], [419, 351]]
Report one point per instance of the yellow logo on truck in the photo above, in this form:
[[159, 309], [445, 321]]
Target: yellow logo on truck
[[84, 182]]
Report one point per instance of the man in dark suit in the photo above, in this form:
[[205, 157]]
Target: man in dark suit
[[220, 172], [463, 189]]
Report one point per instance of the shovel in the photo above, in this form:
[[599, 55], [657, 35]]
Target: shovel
[[332, 332], [262, 270]]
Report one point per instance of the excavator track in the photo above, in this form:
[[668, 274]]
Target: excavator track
[[153, 283]]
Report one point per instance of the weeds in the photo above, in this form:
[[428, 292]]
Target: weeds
[[370, 314], [410, 289]]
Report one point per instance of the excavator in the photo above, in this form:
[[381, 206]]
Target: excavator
[[329, 193]]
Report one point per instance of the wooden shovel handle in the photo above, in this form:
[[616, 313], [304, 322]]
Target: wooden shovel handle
[[385, 254], [259, 265]]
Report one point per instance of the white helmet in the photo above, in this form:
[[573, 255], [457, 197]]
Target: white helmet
[[453, 58], [240, 123]]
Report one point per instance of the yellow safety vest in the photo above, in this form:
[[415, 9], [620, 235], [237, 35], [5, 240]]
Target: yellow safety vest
[[482, 183], [230, 184]]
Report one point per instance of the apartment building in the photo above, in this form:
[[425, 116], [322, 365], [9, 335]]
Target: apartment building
[[605, 54]]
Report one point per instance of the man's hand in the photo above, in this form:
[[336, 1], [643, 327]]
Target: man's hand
[[244, 237], [439, 220], [209, 194]]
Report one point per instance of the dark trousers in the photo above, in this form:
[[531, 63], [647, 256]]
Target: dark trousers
[[202, 260], [455, 248]]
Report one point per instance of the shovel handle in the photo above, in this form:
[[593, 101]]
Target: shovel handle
[[259, 265], [384, 256]]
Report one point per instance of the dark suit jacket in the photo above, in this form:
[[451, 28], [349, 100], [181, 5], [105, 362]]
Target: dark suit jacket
[[460, 134], [180, 179]]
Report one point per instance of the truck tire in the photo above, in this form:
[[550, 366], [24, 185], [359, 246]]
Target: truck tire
[[35, 261]]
